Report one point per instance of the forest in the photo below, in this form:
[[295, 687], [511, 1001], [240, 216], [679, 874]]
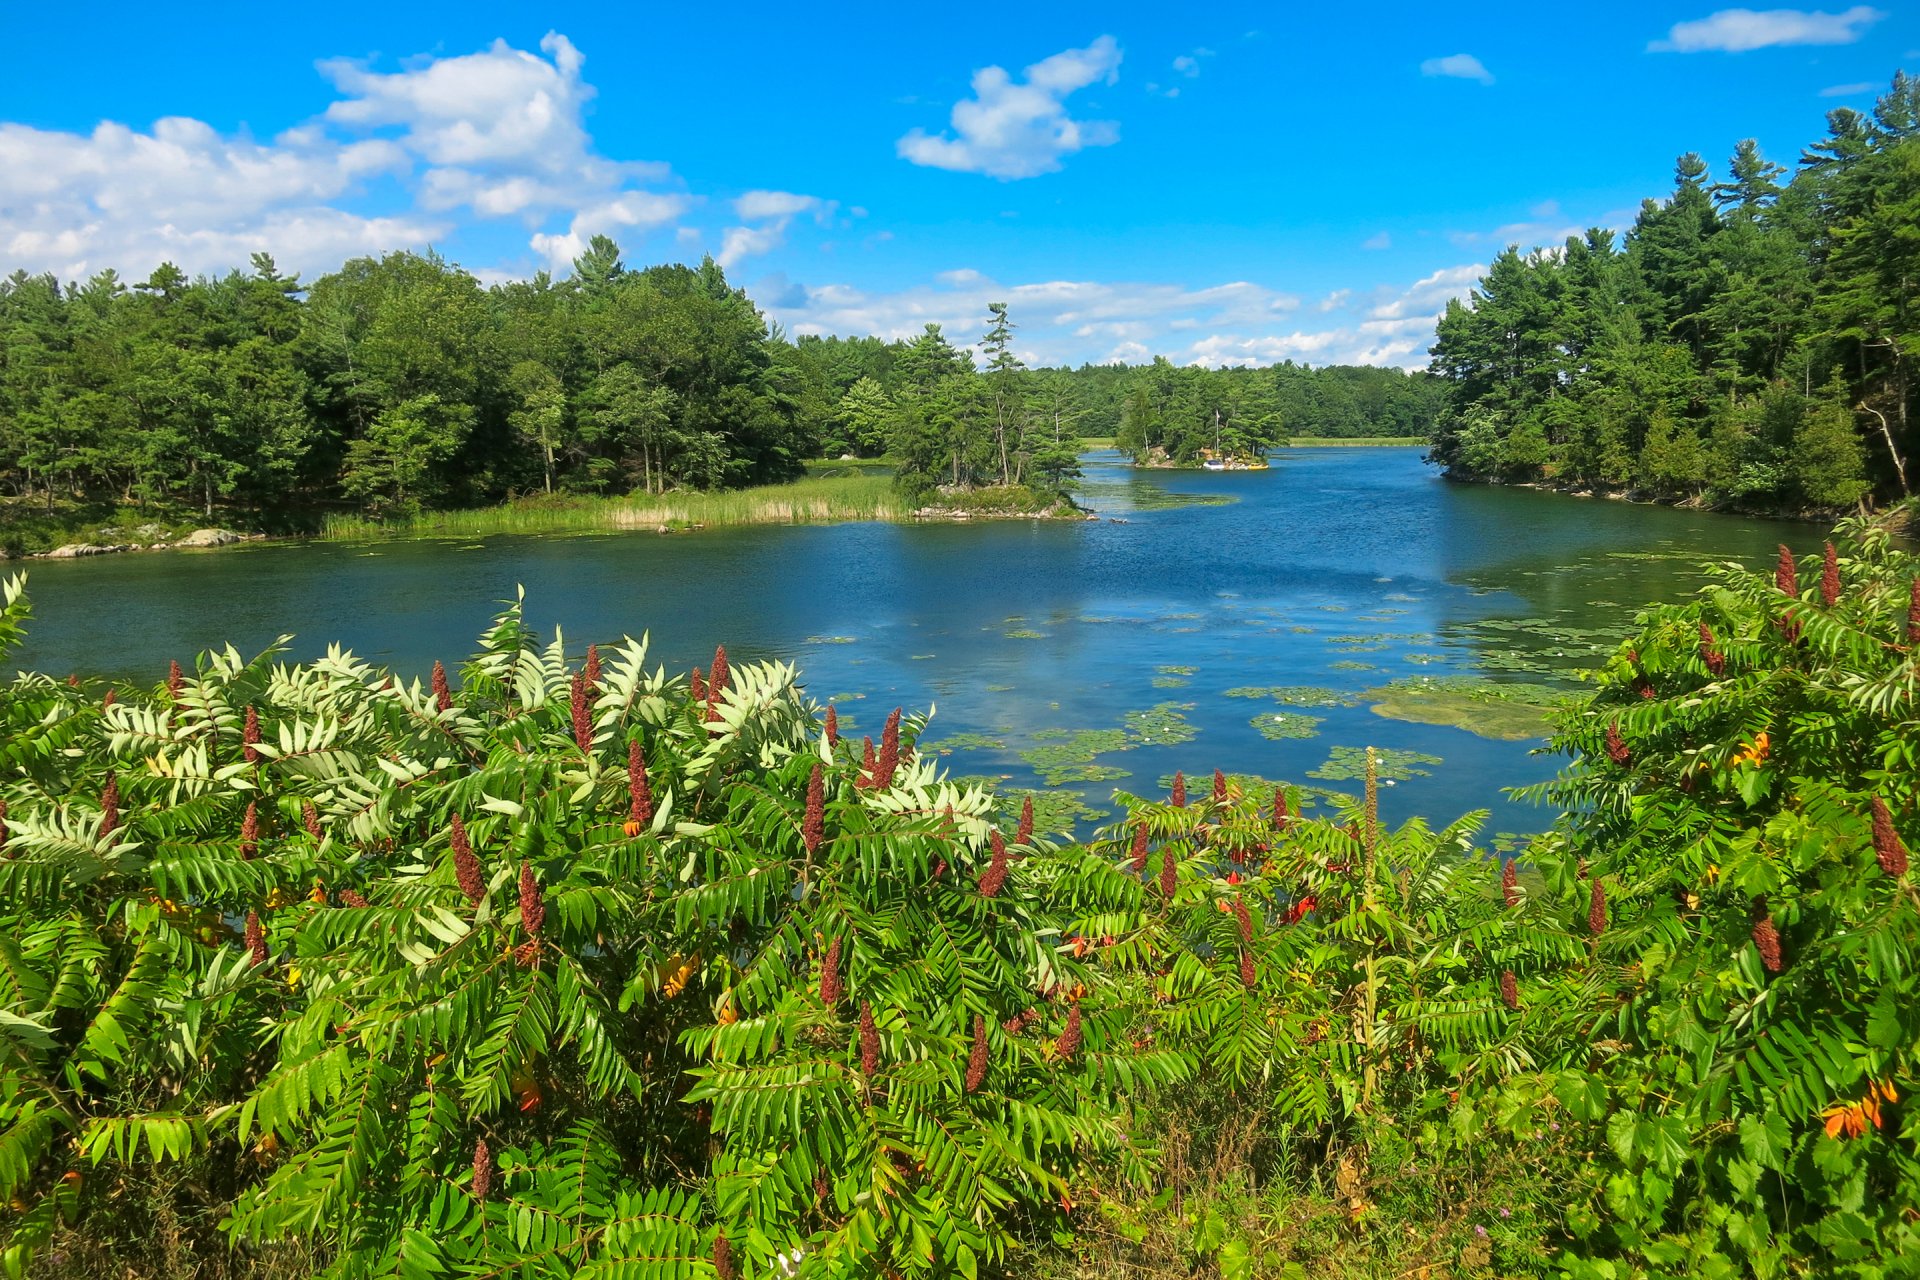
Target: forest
[[401, 384], [1750, 342]]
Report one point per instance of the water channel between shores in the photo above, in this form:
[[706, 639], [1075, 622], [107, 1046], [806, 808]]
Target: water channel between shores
[[1248, 621]]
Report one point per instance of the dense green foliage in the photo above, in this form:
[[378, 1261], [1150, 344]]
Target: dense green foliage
[[284, 946], [1750, 342], [399, 385]]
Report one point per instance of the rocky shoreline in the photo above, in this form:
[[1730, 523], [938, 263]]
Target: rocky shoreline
[[199, 538]]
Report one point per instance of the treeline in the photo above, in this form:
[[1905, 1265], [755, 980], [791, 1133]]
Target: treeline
[[1750, 342], [391, 385], [403, 383], [1155, 411]]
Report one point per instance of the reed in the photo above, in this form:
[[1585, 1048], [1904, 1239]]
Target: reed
[[813, 500]]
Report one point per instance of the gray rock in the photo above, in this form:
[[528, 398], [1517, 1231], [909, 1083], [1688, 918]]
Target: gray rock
[[210, 538]]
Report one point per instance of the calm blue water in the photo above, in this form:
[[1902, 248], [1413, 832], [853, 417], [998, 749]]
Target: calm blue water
[[1335, 556]]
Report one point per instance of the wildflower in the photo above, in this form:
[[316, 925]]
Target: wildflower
[[1018, 1022], [1766, 938], [250, 832], [533, 912], [466, 866], [1024, 835], [1371, 806], [1249, 976], [977, 1061], [813, 828], [582, 715], [995, 876], [1169, 878], [717, 677], [723, 1257], [833, 727], [108, 698], [256, 938], [1913, 613], [1300, 908], [1786, 575], [1710, 652], [1140, 849], [353, 897], [3, 824], [639, 795], [311, 816], [1509, 883], [442, 695], [1754, 752], [1219, 787], [1179, 790], [1245, 919], [175, 677], [889, 759], [1069, 1043], [527, 956], [109, 806], [1851, 1119], [592, 669], [869, 766], [1887, 848], [482, 1170], [1510, 989], [697, 685], [1281, 818], [1597, 910], [1617, 746], [250, 736], [831, 988], [1830, 578], [869, 1040]]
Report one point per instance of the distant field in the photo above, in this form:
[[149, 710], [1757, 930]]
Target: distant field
[[1354, 442]]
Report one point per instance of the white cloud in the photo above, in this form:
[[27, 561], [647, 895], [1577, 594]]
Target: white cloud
[[1070, 321], [1384, 240], [1461, 66], [1848, 90], [1187, 65], [1013, 130], [1741, 30], [772, 211]]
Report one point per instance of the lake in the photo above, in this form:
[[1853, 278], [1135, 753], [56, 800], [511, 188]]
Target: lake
[[1102, 652]]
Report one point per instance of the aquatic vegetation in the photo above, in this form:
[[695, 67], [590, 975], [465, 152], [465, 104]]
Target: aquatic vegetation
[[1283, 726], [832, 640], [1177, 671], [1023, 633], [1348, 764], [1508, 712], [952, 742], [1348, 664], [1067, 756], [1170, 682], [1162, 724]]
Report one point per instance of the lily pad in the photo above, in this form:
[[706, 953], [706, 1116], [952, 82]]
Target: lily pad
[[1348, 764], [1286, 726]]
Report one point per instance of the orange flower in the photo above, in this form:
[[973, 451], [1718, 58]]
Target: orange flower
[[1851, 1119], [1755, 751]]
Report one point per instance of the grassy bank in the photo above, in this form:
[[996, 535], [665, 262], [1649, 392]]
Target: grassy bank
[[28, 528], [1354, 442], [862, 493]]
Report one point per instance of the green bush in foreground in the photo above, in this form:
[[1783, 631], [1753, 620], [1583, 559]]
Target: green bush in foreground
[[603, 972]]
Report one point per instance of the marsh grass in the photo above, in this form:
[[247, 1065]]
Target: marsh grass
[[832, 499]]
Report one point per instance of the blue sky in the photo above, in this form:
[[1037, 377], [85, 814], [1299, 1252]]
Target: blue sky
[[1221, 183]]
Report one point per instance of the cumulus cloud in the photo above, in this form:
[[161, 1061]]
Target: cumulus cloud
[[1071, 321], [769, 212], [1741, 30], [1460, 66], [1019, 129]]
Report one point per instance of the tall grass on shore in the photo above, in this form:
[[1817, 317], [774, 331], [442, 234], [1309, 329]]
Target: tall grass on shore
[[1355, 442], [814, 500]]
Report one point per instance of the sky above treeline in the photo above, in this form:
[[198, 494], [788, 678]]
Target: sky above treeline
[[1220, 184]]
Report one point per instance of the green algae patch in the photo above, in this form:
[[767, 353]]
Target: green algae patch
[[1503, 712], [1068, 755], [1177, 671], [1347, 764], [1286, 726], [1170, 682]]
